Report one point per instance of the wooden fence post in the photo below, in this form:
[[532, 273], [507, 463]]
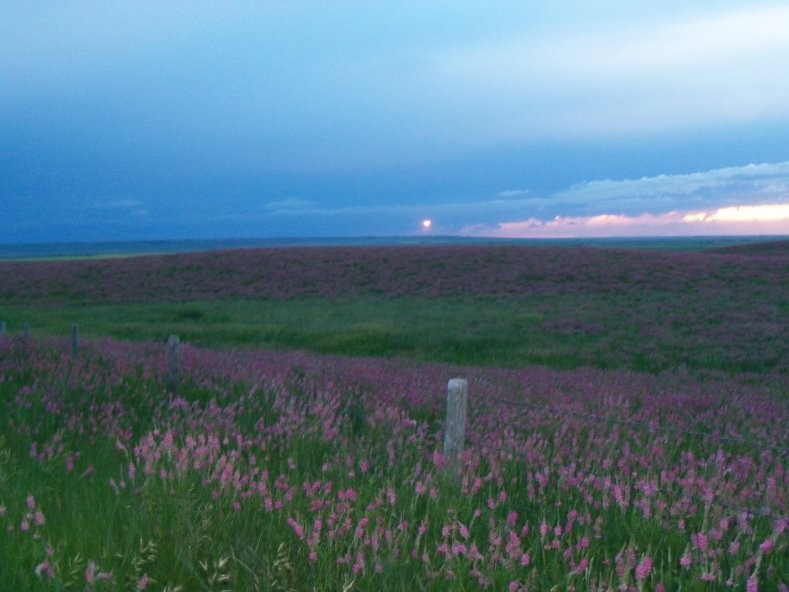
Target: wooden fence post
[[26, 330], [173, 346], [75, 339], [455, 429]]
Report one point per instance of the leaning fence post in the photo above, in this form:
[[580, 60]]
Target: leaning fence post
[[75, 339], [173, 345], [26, 330], [455, 430]]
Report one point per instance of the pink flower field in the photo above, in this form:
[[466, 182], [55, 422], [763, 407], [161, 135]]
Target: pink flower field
[[295, 471], [647, 452], [437, 271]]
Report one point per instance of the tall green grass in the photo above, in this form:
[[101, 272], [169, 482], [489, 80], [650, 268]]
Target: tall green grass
[[643, 332]]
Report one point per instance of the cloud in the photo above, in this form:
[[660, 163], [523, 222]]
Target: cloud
[[130, 207], [739, 220], [753, 183], [761, 213], [706, 70], [288, 206], [513, 192], [751, 199]]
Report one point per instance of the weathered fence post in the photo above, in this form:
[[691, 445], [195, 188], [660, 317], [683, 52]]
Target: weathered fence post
[[26, 330], [455, 430], [75, 339], [173, 346]]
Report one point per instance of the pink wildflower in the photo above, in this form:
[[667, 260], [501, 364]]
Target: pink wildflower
[[297, 528], [708, 576], [752, 585], [44, 568], [3, 510], [438, 460], [90, 572], [584, 563], [143, 582], [361, 525], [685, 560], [358, 565], [38, 518], [767, 545], [31, 502], [543, 528], [700, 540], [644, 568], [512, 518]]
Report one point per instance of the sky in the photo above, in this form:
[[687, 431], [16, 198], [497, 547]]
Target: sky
[[550, 118]]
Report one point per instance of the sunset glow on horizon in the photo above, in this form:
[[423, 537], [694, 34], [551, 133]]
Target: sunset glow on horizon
[[765, 219]]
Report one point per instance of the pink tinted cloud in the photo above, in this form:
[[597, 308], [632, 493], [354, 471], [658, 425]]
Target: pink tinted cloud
[[737, 220]]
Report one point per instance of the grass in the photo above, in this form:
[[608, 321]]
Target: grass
[[301, 448], [567, 331]]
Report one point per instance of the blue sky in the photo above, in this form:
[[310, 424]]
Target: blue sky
[[159, 120]]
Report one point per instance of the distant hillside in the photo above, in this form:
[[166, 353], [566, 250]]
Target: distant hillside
[[779, 247], [349, 272]]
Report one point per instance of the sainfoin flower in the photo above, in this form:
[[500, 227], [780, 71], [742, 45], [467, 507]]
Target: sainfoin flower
[[644, 568], [767, 545], [44, 568]]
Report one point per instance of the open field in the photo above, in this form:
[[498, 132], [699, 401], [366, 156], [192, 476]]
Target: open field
[[646, 451], [495, 306]]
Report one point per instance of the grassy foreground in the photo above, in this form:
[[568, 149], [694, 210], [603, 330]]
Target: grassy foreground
[[292, 471]]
